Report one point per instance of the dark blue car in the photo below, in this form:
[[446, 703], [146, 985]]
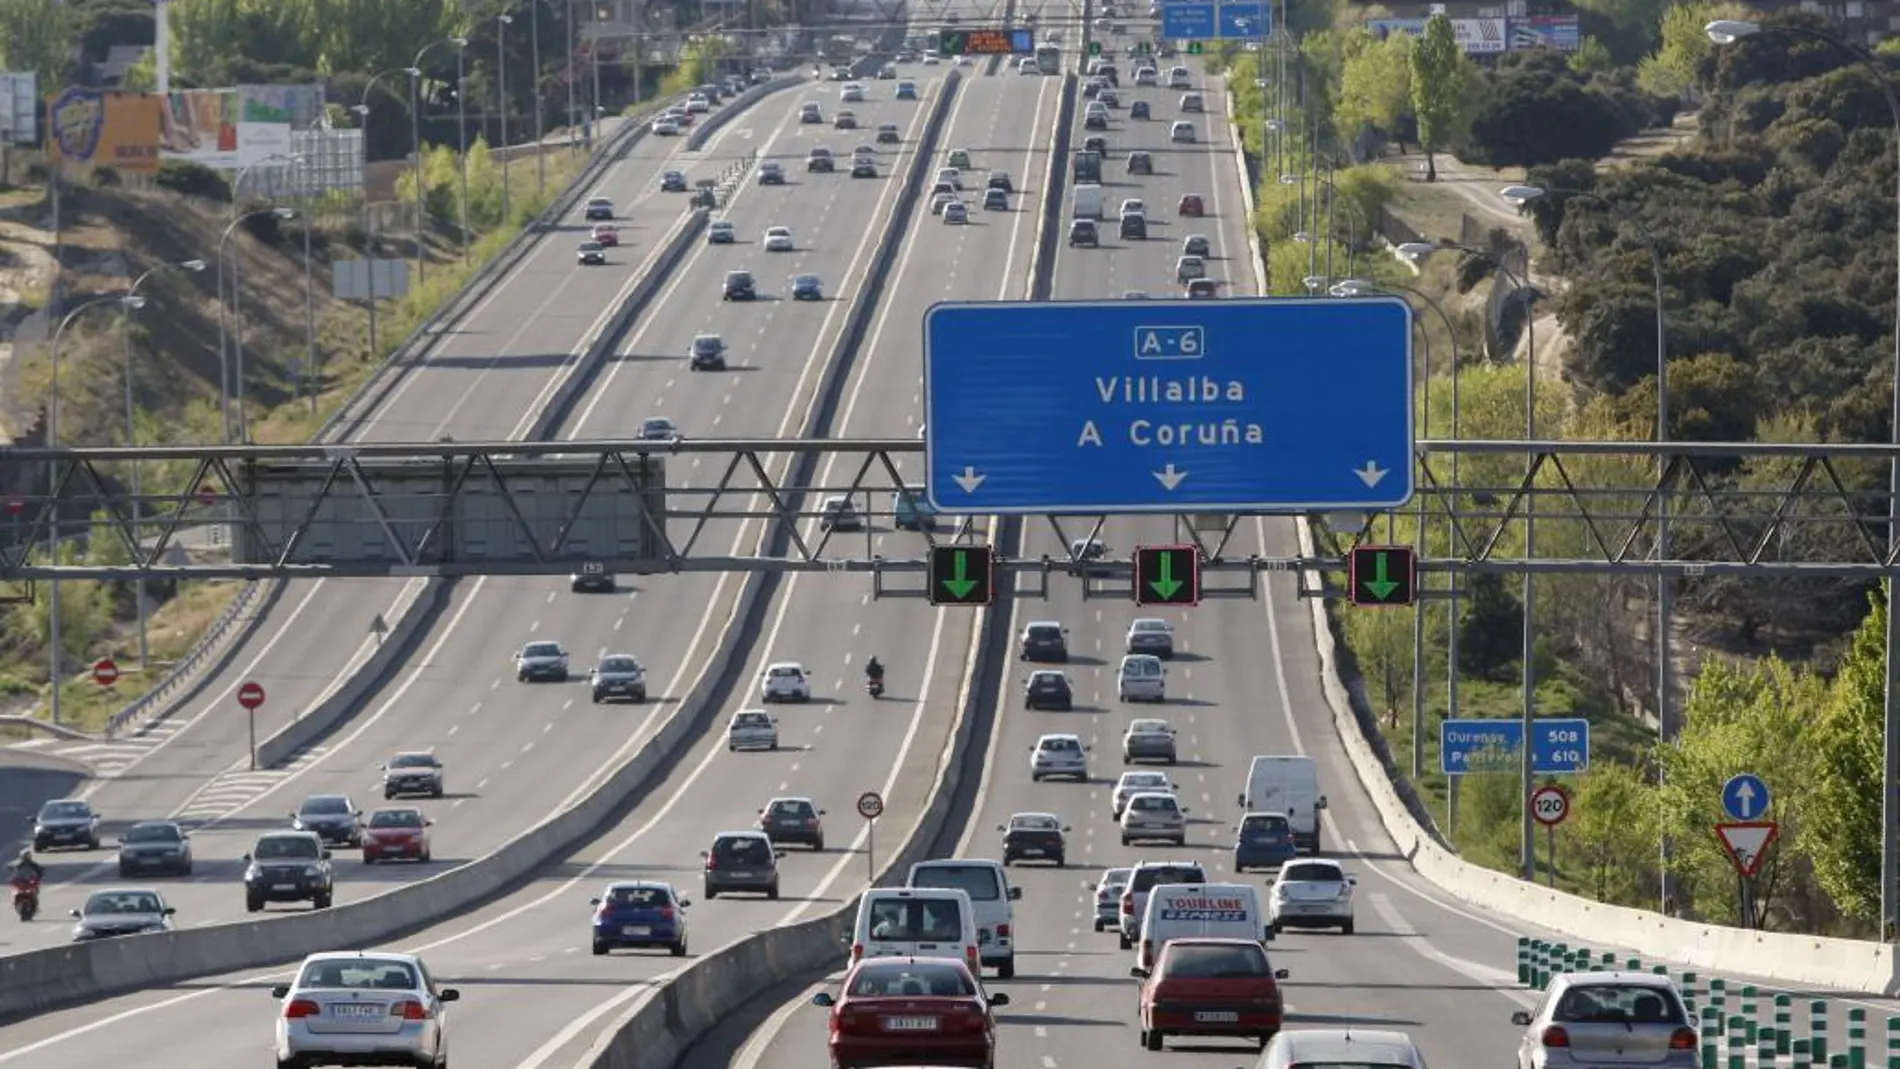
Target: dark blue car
[[639, 914], [1263, 841]]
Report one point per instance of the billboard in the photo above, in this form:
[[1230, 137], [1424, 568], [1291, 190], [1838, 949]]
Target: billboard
[[230, 129], [94, 128], [1474, 36], [20, 107], [1557, 32]]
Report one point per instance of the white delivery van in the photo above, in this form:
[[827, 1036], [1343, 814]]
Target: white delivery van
[[1199, 911], [903, 922], [991, 896], [1290, 785], [1087, 202]]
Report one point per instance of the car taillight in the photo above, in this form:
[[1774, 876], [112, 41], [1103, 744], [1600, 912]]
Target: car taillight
[[1002, 931], [666, 913], [1555, 1036], [1128, 904], [712, 863], [811, 822], [857, 951], [1683, 1039], [1101, 896], [302, 1007], [410, 1010], [970, 958], [969, 1019]]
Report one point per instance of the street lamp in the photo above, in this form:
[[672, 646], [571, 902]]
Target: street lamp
[[461, 127], [534, 49], [369, 241], [55, 669], [1352, 223], [1727, 32], [502, 22], [127, 307], [414, 71], [237, 306]]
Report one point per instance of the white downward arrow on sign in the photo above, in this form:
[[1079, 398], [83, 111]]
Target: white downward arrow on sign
[[1170, 478], [1370, 474], [970, 480]]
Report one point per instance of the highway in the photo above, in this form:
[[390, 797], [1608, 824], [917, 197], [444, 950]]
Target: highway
[[517, 753], [527, 953]]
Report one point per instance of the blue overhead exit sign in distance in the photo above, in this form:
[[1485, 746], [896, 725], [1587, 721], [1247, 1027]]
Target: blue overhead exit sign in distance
[[1252, 404]]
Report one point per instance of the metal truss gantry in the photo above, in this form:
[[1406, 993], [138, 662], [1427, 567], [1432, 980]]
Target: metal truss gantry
[[1754, 509]]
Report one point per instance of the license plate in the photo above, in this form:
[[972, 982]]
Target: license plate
[[1036, 850], [356, 1009], [910, 1024], [1216, 1017], [636, 929], [283, 887], [740, 875], [1312, 909]]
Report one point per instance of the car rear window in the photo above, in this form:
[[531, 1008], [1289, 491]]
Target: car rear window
[[746, 849], [1315, 872], [1045, 633], [1205, 962], [1624, 1004], [916, 920], [980, 882], [396, 818], [1145, 878], [367, 974], [914, 979], [1263, 825], [639, 897]]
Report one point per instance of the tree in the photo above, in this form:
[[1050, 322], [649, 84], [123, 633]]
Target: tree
[[1613, 820], [1376, 88], [1490, 635], [1441, 89], [1382, 640], [38, 36], [1842, 833]]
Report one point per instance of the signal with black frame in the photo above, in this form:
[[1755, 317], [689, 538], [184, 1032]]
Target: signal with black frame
[[1167, 575], [962, 575], [1382, 576]]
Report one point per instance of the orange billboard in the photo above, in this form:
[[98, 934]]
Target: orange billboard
[[93, 128]]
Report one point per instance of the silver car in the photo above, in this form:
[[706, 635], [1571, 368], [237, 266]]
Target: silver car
[[1150, 635], [1593, 1018], [541, 660], [1108, 897], [1148, 740], [752, 729], [1154, 816], [1313, 893], [121, 911], [1059, 756], [412, 773], [357, 1008], [1295, 1048], [1133, 783]]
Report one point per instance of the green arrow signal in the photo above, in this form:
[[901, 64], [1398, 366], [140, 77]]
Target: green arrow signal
[[959, 584], [1379, 585], [1167, 584]]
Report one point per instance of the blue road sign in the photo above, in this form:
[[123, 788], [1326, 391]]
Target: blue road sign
[[1182, 20], [1251, 404], [1244, 20], [1558, 747], [1745, 797]]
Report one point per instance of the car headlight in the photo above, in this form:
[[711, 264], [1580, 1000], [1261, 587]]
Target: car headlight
[[312, 870], [251, 873]]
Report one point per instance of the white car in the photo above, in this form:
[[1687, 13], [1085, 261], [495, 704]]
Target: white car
[[1341, 1046], [665, 127], [752, 729], [1145, 77], [956, 212], [778, 239], [952, 177], [698, 104], [852, 93], [1134, 206], [1154, 815], [785, 681], [349, 1004], [1311, 893], [1179, 78], [1059, 755], [930, 59], [1133, 783], [1028, 65], [1182, 132]]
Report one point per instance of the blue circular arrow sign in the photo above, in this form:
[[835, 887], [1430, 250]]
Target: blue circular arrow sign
[[1745, 797]]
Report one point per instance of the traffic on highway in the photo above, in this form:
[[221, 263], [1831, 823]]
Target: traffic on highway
[[1160, 851]]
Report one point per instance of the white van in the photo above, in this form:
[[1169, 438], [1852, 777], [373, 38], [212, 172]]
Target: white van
[[991, 896], [1199, 911], [901, 922], [1290, 785], [1140, 679]]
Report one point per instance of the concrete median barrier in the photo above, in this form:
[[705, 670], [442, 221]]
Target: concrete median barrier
[[713, 123]]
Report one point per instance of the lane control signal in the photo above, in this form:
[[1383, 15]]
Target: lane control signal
[[1167, 575], [1382, 576], [962, 575]]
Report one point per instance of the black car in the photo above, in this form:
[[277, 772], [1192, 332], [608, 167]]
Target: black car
[[592, 254], [673, 182], [154, 846], [1083, 232], [793, 820], [598, 208], [995, 200], [820, 162], [1048, 690], [742, 861], [1134, 228], [1098, 145], [1045, 640], [709, 353], [771, 174], [1095, 121], [740, 287], [863, 168], [288, 866], [1138, 110], [591, 578], [66, 822], [807, 288], [1034, 837], [330, 817], [1000, 180]]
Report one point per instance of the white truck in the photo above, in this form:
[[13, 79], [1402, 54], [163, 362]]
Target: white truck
[[1087, 203], [1288, 785]]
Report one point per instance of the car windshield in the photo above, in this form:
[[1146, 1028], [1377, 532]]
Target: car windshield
[[326, 804], [912, 979], [359, 974], [286, 846], [109, 902], [910, 920], [412, 760], [541, 649], [1033, 822], [806, 281], [980, 882], [619, 664], [396, 818], [639, 897], [153, 833], [1203, 962], [1312, 872], [590, 246], [1624, 1004], [65, 811]]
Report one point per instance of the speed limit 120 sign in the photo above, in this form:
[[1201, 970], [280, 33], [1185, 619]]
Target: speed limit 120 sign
[[1550, 805]]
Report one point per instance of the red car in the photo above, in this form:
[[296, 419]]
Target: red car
[[1210, 987], [607, 234], [396, 833], [912, 1011], [1190, 206]]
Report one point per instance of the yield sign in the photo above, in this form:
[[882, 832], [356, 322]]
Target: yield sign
[[1747, 843]]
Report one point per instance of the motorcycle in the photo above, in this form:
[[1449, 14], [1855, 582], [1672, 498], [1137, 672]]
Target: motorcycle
[[874, 686], [26, 896]]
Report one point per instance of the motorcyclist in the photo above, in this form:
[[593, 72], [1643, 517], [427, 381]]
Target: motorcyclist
[[874, 671], [26, 868]]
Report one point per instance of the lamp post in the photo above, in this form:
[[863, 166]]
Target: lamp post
[[1353, 218], [369, 240], [224, 370], [534, 49], [126, 308], [223, 339], [54, 667], [414, 71], [502, 22], [1356, 287], [461, 128], [1727, 32]]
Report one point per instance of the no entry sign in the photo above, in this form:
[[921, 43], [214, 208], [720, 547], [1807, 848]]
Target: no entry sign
[[251, 695]]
